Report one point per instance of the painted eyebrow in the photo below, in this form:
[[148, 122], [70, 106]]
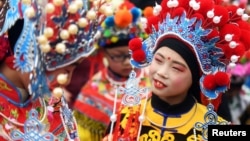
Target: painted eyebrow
[[174, 61]]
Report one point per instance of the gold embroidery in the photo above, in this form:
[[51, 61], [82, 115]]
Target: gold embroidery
[[4, 86]]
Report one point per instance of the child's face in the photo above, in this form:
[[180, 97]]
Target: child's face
[[119, 60], [170, 75]]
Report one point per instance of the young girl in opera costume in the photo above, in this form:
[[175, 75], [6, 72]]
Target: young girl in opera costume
[[189, 46], [41, 43]]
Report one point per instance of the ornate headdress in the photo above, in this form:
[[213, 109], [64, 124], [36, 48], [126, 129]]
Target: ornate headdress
[[122, 26], [218, 35]]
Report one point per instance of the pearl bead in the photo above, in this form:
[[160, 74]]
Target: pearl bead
[[108, 12], [73, 29], [64, 34], [48, 32], [216, 19], [244, 17], [50, 8], [228, 37], [232, 44], [60, 48], [240, 11], [57, 92], [42, 39], [234, 58], [82, 22], [45, 48], [79, 3], [30, 12], [232, 65], [27, 2], [210, 14], [113, 118], [91, 15], [58, 2], [141, 118], [62, 79], [72, 8]]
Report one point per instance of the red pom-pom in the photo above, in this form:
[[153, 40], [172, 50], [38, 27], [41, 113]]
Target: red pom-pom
[[230, 29], [213, 33], [247, 54], [209, 82], [245, 38], [139, 56], [222, 79], [205, 6], [152, 21], [135, 44], [221, 12], [177, 12]]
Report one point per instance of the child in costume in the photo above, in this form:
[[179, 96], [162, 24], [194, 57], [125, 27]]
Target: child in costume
[[189, 46], [41, 43], [94, 105]]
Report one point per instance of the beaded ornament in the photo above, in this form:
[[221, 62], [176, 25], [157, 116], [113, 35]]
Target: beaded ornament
[[217, 34]]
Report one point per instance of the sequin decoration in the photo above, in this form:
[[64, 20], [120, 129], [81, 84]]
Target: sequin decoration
[[132, 92], [33, 130], [210, 118]]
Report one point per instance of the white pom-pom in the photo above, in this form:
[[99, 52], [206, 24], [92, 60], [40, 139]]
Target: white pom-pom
[[113, 118], [91, 15], [234, 58], [64, 34], [73, 29], [60, 48], [240, 11], [72, 8], [58, 2], [82, 22], [210, 14], [245, 17], [45, 48], [48, 32], [50, 8], [141, 118], [62, 79], [216, 19], [42, 39], [57, 92], [30, 12], [232, 44], [228, 37]]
